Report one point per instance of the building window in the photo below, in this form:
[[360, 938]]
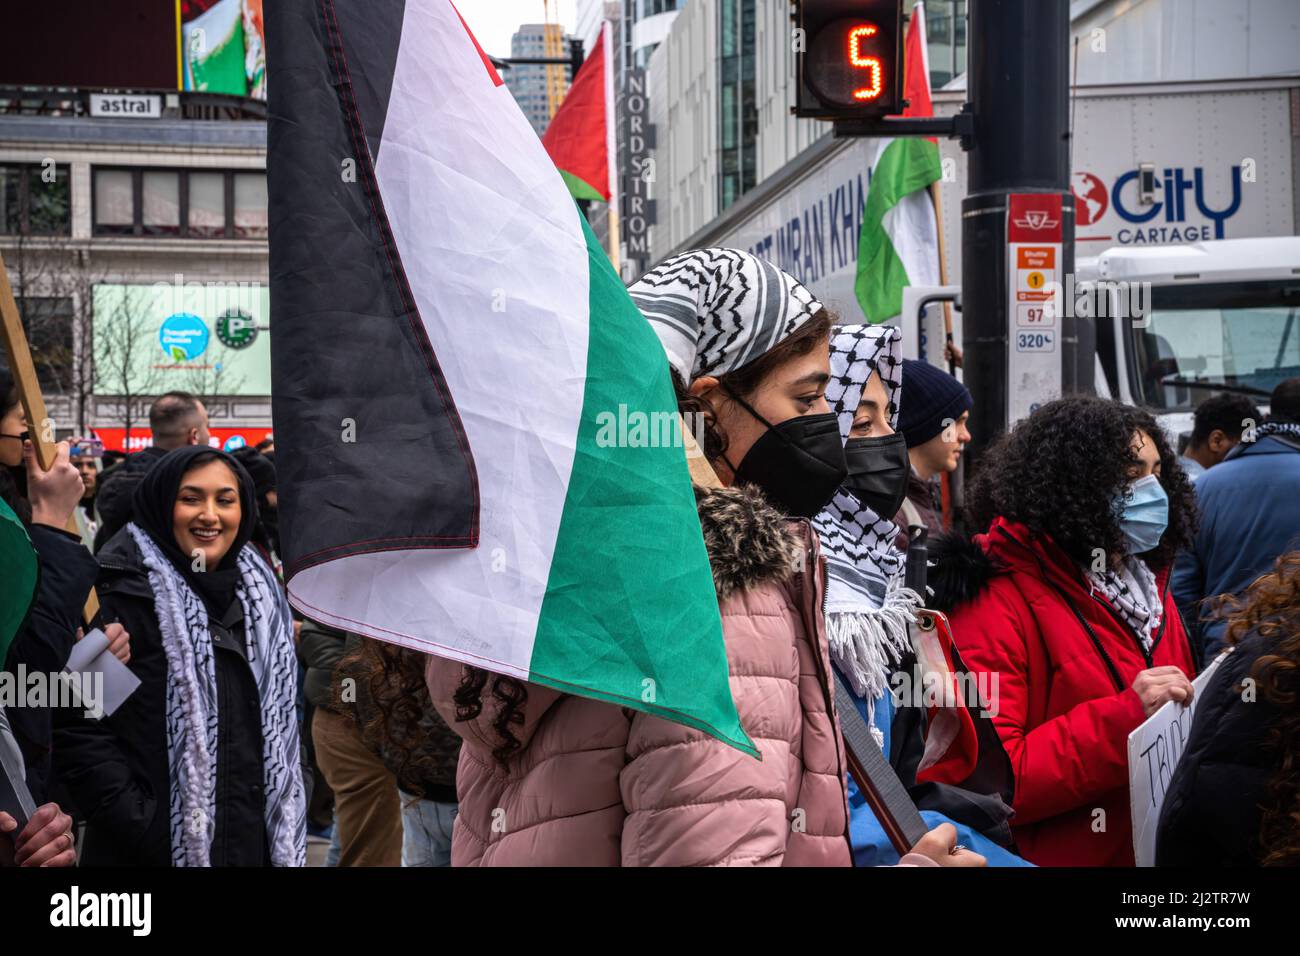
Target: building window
[[35, 201], [160, 205], [207, 207], [945, 22], [188, 204], [250, 206], [48, 322], [737, 105]]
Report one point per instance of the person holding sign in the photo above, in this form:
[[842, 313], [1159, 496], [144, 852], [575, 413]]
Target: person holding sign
[[44, 501], [1065, 601]]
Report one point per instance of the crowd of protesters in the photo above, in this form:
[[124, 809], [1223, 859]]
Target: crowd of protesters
[[1092, 571]]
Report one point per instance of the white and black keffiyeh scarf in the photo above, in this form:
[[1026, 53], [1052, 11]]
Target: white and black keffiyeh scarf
[[1132, 590], [868, 610], [1289, 430], [716, 310], [192, 706]]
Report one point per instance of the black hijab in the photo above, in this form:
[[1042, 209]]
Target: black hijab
[[155, 503]]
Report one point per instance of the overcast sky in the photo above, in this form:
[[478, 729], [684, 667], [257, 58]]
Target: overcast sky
[[495, 21]]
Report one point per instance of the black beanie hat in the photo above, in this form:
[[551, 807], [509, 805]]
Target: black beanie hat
[[929, 396]]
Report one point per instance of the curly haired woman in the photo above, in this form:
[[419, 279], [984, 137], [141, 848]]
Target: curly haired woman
[[1234, 799], [1065, 601]]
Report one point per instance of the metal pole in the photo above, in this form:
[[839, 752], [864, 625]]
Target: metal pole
[[1018, 84]]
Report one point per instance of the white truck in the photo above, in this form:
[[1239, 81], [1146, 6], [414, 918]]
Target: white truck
[[1220, 316], [1224, 317]]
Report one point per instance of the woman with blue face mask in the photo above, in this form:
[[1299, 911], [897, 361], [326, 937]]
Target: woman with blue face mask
[[1065, 601]]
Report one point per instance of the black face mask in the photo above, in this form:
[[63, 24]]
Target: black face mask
[[878, 472], [799, 463]]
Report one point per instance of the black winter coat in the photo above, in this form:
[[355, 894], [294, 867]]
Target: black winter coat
[[67, 573], [116, 768], [116, 487], [1211, 815]]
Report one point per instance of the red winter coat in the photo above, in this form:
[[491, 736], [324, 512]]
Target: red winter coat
[[1065, 662]]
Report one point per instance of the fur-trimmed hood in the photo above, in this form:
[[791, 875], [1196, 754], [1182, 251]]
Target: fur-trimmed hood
[[749, 542], [959, 569]]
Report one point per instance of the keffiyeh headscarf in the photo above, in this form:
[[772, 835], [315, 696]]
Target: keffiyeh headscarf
[[868, 609], [716, 310]]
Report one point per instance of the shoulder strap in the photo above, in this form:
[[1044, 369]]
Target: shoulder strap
[[877, 780]]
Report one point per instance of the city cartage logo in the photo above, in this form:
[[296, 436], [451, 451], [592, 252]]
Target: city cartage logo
[[1186, 204], [183, 336]]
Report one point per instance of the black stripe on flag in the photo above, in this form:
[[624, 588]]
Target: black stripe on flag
[[371, 33], [371, 452]]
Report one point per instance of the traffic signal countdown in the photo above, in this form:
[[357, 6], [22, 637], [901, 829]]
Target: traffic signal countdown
[[849, 58]]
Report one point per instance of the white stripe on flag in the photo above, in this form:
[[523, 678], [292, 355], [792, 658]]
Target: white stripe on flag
[[495, 256], [912, 230]]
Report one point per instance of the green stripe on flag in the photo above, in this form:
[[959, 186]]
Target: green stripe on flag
[[579, 188], [906, 165], [630, 614]]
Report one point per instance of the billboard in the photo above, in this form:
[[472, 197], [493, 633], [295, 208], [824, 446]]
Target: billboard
[[209, 338], [212, 46], [105, 45], [223, 47]]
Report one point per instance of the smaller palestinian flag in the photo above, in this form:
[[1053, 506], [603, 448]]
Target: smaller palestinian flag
[[899, 242], [580, 138]]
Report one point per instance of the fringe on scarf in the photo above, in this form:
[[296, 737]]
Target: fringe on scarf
[[866, 645]]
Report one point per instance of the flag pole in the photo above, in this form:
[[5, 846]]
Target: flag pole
[[614, 239], [29, 393], [945, 482]]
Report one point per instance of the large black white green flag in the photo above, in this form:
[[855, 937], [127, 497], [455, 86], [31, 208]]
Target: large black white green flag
[[459, 377]]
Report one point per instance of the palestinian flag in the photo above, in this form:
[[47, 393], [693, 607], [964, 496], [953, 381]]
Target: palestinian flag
[[580, 137], [899, 242], [451, 352]]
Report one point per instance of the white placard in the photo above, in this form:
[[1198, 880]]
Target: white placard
[[104, 683], [1154, 749]]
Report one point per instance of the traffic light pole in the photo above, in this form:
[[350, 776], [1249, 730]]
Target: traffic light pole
[[1018, 214], [1018, 203]]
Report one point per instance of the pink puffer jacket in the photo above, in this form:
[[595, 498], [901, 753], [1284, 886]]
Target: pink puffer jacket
[[599, 785]]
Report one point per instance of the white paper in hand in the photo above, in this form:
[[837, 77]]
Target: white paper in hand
[[100, 680], [1154, 750]]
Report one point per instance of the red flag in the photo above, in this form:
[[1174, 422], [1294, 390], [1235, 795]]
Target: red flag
[[579, 135], [916, 66]]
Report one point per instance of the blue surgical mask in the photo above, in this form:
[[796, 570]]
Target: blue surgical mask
[[1144, 508]]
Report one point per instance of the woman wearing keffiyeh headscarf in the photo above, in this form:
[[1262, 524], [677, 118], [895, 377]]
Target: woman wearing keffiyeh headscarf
[[581, 782], [868, 609], [200, 765]]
